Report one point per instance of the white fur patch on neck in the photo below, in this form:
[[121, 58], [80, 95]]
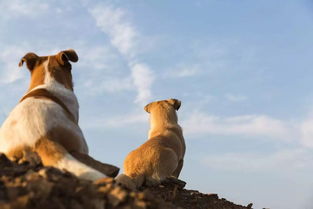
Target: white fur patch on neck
[[67, 96], [48, 77]]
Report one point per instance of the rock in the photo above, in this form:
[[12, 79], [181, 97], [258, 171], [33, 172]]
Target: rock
[[28, 186], [117, 196], [213, 196], [249, 206], [174, 181], [104, 181]]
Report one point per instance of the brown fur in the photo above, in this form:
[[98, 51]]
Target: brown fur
[[45, 94], [59, 67], [161, 156], [37, 74], [61, 71], [59, 140], [24, 154], [67, 139], [49, 151]]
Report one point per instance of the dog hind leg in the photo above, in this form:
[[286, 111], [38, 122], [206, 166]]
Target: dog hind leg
[[164, 168], [179, 168], [53, 154]]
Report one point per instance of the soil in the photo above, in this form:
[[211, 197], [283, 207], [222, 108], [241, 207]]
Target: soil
[[26, 186]]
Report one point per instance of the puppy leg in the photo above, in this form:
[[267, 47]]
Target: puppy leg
[[178, 169], [164, 167], [53, 154], [152, 181], [24, 154], [31, 157]]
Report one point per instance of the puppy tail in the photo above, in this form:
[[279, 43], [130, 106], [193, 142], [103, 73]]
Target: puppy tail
[[53, 154], [128, 182]]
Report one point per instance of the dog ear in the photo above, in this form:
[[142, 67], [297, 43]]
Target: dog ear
[[147, 108], [30, 59], [66, 56], [175, 102]]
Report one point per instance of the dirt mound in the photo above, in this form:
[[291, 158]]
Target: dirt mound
[[24, 186]]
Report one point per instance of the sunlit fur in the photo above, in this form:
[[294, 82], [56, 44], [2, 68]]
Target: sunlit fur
[[161, 156], [42, 125]]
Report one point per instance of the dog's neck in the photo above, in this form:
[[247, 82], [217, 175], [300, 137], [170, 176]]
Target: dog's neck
[[162, 121], [48, 82], [65, 95]]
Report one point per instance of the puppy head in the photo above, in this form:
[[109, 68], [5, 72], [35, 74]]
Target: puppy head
[[45, 69], [164, 110], [169, 104]]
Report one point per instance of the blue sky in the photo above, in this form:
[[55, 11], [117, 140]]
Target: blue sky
[[242, 69]]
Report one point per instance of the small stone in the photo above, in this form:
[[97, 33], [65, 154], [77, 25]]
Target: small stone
[[105, 188], [140, 204], [4, 161], [213, 196], [249, 206], [106, 180], [117, 196], [140, 195]]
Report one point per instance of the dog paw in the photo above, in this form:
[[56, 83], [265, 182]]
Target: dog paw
[[150, 182], [32, 158]]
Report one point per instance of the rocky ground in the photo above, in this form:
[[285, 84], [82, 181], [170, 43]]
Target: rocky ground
[[25, 186]]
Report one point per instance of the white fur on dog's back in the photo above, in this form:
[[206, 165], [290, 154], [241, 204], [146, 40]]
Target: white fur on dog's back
[[33, 118]]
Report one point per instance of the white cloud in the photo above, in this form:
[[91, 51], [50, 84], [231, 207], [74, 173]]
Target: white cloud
[[143, 79], [126, 120], [289, 160], [184, 71], [246, 125], [113, 21], [99, 57], [117, 121], [306, 129], [124, 37], [108, 84], [9, 59], [20, 8], [235, 98]]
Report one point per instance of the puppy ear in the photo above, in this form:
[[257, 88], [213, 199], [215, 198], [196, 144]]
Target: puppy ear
[[175, 102], [66, 56], [147, 108], [30, 59]]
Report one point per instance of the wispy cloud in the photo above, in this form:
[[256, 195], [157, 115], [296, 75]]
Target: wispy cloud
[[306, 129], [124, 37], [113, 22], [184, 71], [235, 98], [117, 121], [289, 160], [20, 8], [143, 78], [9, 59], [245, 125]]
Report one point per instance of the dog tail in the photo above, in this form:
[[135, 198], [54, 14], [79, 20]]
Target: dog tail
[[129, 182], [54, 154]]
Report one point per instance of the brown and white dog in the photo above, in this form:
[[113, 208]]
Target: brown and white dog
[[162, 155], [46, 118]]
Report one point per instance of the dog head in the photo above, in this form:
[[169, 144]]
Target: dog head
[[45, 69], [167, 108]]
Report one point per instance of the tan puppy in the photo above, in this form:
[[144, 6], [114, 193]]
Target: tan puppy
[[162, 155], [46, 118]]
